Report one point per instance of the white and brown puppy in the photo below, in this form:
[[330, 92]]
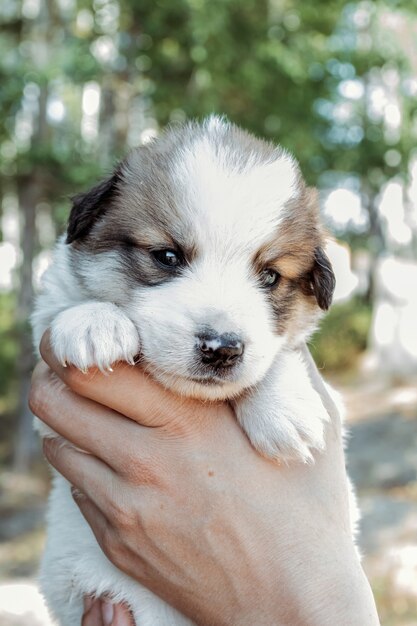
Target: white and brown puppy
[[203, 254]]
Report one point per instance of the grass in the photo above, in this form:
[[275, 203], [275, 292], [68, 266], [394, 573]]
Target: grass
[[342, 336]]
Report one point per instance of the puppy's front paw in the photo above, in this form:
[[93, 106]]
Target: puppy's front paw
[[284, 430], [284, 416], [94, 333]]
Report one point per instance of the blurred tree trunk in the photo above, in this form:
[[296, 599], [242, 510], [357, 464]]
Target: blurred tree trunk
[[107, 135], [376, 237], [30, 189], [26, 446], [411, 221]]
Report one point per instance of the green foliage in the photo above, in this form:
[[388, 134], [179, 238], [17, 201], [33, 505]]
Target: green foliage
[[8, 374], [274, 67], [8, 347], [342, 336], [253, 60]]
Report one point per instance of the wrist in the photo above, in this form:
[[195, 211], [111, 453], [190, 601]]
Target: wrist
[[346, 599], [334, 591], [319, 592]]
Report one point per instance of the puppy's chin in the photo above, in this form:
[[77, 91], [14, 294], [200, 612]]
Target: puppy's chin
[[200, 390]]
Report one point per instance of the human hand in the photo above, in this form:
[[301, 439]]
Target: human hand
[[179, 500], [98, 612]]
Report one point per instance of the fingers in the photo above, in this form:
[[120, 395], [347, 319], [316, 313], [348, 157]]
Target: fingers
[[122, 616], [85, 472], [88, 425], [109, 540], [92, 613], [93, 515], [103, 613], [127, 390]]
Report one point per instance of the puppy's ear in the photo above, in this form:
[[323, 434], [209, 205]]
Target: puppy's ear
[[89, 206], [322, 279]]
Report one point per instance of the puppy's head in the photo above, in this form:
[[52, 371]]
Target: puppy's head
[[210, 241]]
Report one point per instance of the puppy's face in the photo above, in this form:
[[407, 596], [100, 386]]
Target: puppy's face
[[209, 240]]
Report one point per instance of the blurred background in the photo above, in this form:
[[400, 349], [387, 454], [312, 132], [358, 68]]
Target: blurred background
[[334, 82]]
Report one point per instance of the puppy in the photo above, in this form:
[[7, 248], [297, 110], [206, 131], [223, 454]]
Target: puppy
[[203, 254]]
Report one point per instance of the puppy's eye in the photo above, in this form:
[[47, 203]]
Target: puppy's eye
[[269, 278], [168, 258]]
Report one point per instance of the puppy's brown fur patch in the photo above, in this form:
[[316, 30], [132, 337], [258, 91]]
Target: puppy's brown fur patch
[[140, 208]]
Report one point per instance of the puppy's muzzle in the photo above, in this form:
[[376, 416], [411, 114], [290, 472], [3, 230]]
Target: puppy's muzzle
[[220, 351]]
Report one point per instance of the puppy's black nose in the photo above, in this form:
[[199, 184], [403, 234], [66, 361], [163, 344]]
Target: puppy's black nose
[[220, 350]]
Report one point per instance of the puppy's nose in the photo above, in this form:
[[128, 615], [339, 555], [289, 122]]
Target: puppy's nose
[[220, 350]]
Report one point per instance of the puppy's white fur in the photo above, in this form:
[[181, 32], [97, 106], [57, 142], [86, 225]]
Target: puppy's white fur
[[231, 193]]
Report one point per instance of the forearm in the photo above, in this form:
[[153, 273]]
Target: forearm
[[320, 590], [339, 596]]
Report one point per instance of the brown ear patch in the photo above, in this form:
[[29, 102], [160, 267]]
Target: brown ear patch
[[320, 281], [89, 206], [291, 248]]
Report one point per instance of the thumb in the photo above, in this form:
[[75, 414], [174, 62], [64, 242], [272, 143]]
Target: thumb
[[122, 616]]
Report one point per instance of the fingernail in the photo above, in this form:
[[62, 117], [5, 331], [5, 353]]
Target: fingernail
[[122, 615], [88, 603], [107, 612], [76, 493]]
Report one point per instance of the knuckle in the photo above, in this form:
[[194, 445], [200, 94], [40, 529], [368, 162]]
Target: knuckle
[[40, 398], [115, 512], [125, 520], [143, 472], [108, 543], [50, 447], [36, 398], [112, 545], [118, 508], [76, 379], [151, 524], [119, 553]]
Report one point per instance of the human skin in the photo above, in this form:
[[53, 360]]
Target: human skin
[[179, 500]]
